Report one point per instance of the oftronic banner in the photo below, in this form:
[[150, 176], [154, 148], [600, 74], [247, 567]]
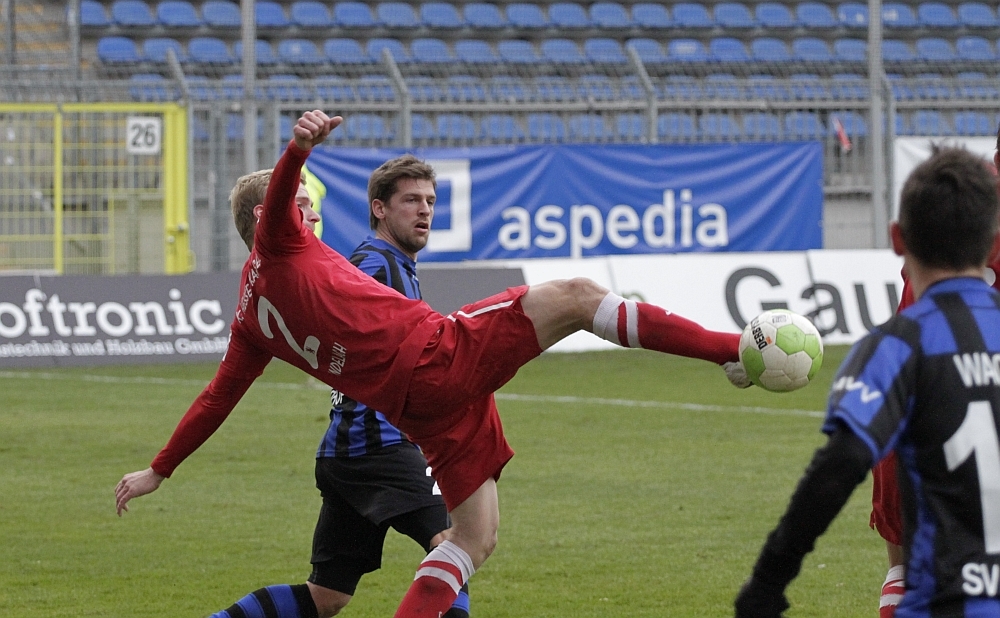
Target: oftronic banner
[[62, 321], [578, 201]]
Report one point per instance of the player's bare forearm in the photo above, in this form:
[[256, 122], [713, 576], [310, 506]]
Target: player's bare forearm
[[133, 485], [313, 128]]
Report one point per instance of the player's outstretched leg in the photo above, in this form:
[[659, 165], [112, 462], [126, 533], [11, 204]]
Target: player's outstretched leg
[[280, 601], [892, 591], [461, 607]]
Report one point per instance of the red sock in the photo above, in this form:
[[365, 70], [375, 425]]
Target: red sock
[[439, 579], [640, 325]]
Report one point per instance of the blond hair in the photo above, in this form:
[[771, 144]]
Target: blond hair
[[248, 192], [382, 183]]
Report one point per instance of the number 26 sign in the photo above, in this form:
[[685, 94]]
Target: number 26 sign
[[143, 135]]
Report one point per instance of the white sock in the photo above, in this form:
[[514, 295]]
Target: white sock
[[607, 317], [449, 554]]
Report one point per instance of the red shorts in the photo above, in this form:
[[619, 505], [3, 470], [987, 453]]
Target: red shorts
[[887, 510], [449, 409]]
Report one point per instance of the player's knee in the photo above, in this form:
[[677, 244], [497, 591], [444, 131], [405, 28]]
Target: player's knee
[[328, 602]]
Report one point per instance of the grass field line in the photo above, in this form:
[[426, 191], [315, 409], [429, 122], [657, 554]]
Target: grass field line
[[317, 385]]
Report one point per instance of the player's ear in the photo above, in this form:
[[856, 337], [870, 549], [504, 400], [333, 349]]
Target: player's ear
[[378, 209], [896, 238], [995, 250], [258, 211]]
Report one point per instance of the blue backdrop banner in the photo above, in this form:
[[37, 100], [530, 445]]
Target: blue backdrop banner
[[571, 201]]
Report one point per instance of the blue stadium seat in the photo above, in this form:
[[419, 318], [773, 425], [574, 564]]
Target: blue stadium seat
[[93, 15], [474, 51], [722, 86], [517, 51], [766, 87], [234, 127], [507, 88], [232, 88], [554, 88], [201, 89], [689, 15], [728, 49], [546, 127], [484, 15], [502, 127], [609, 15], [853, 15], [152, 88], [353, 15], [286, 87], [901, 90], [769, 49], [345, 51], [850, 50], [209, 50], [431, 51], [808, 87], [396, 15], [396, 49], [440, 15], [367, 127], [422, 127], [466, 88], [977, 15], [761, 126], [334, 88], [132, 14], [687, 50], [268, 14], [596, 88], [930, 122], [811, 49], [854, 124], [734, 15], [974, 48], [221, 14], [975, 85], [631, 87], [177, 14], [649, 51], [675, 126], [815, 15], [561, 51], [604, 51], [631, 127], [934, 49], [715, 126], [457, 127], [681, 87], [775, 15], [898, 15], [310, 14], [897, 51], [526, 15], [936, 15], [974, 123], [931, 86], [901, 125], [849, 87], [299, 52], [568, 15], [155, 49], [263, 53], [377, 88], [588, 128], [804, 126], [425, 89], [651, 15]]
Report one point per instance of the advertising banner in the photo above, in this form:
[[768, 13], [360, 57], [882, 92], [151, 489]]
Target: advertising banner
[[582, 201], [909, 152]]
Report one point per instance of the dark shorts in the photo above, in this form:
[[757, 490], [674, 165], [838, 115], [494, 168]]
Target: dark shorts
[[362, 498]]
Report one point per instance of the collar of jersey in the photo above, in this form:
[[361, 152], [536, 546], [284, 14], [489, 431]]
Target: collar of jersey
[[381, 244]]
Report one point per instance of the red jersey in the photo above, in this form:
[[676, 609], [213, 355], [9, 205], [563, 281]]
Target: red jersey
[[302, 302]]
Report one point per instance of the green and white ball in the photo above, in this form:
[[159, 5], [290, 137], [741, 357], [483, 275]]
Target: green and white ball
[[781, 350]]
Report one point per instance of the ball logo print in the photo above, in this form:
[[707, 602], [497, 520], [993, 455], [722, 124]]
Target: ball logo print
[[781, 350]]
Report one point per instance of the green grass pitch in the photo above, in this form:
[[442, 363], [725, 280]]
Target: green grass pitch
[[643, 485]]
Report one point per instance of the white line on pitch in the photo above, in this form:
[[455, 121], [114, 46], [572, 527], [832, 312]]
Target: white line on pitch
[[317, 385]]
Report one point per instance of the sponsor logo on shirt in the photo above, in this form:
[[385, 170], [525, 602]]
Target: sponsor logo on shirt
[[338, 357], [849, 384]]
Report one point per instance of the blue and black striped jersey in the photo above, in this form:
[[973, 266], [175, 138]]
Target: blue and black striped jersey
[[356, 429], [927, 384]]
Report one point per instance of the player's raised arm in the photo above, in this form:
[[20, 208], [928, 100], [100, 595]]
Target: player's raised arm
[[313, 128]]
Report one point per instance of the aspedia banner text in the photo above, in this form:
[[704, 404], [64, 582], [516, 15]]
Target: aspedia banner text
[[578, 201]]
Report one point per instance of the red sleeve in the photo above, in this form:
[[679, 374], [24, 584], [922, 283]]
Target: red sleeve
[[280, 226], [240, 367]]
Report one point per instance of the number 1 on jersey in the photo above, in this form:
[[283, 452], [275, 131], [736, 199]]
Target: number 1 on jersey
[[308, 351], [978, 436]]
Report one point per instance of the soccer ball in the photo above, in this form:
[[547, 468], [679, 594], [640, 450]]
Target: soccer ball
[[781, 350]]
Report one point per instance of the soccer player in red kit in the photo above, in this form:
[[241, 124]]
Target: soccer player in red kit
[[887, 509], [430, 375]]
